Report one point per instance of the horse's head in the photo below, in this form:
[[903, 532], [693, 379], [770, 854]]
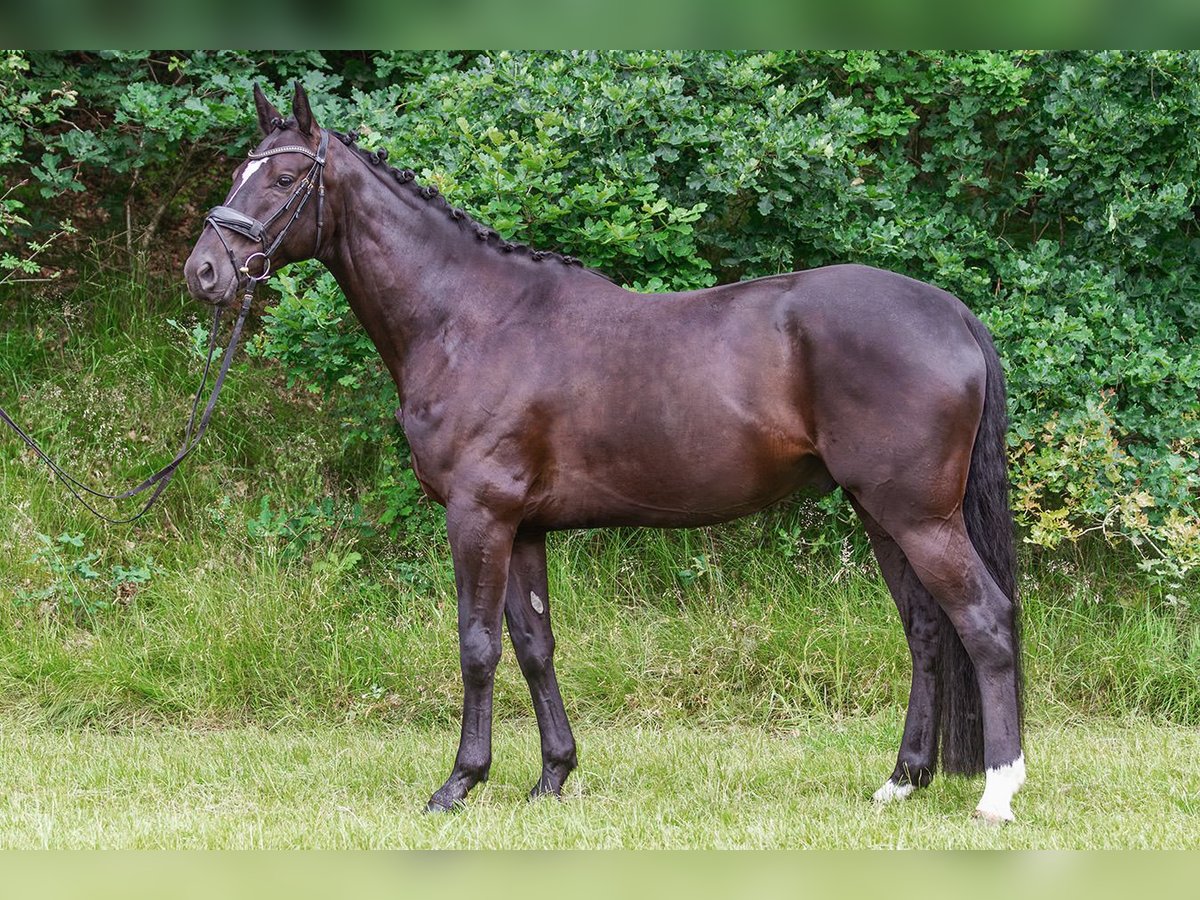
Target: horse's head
[[275, 211]]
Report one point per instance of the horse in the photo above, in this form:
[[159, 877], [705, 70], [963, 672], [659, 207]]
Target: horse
[[537, 395]]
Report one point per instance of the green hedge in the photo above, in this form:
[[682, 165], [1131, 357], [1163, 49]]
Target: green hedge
[[1055, 193]]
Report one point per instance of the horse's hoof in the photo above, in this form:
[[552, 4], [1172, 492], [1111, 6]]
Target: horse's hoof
[[440, 806], [892, 791], [540, 790], [993, 818]]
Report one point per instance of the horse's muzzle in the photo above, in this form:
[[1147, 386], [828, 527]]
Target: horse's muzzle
[[209, 278]]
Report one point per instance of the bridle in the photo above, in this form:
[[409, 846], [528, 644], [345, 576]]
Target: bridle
[[224, 217], [218, 217]]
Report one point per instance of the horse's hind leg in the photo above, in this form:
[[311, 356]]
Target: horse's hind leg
[[944, 559], [923, 621], [527, 611]]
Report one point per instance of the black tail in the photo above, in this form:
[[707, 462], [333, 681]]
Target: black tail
[[989, 524]]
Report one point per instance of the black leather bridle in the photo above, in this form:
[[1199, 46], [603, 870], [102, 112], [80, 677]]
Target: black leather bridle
[[218, 217], [224, 217]]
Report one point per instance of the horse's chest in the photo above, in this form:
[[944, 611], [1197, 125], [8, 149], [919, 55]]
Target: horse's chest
[[429, 451]]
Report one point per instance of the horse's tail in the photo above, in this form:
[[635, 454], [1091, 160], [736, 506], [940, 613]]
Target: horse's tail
[[989, 525]]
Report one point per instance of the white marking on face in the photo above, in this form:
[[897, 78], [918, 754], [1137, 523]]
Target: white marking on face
[[536, 602], [892, 791], [1002, 783], [251, 167]]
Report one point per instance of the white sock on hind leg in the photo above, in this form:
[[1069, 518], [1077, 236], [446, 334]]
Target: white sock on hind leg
[[892, 791], [1002, 783]]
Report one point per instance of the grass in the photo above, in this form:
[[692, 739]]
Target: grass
[[242, 636], [226, 630], [224, 684], [1092, 786]]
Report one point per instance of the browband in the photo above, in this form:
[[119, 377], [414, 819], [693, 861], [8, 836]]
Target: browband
[[319, 156]]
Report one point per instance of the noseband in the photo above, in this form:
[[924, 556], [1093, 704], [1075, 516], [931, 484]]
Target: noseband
[[224, 217]]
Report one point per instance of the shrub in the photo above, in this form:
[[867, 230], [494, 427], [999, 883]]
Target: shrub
[[1055, 193]]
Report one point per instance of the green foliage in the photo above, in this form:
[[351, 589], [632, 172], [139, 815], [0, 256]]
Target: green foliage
[[143, 133], [22, 109], [123, 111], [1055, 193], [24, 266], [316, 525], [69, 581]]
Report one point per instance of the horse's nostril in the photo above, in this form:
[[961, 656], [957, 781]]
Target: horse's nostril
[[207, 276]]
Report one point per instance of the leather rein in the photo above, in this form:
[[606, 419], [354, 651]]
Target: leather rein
[[218, 217]]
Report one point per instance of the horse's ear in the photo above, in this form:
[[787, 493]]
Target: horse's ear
[[302, 111], [268, 115]]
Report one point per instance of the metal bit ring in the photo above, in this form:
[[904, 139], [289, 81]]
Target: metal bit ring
[[266, 267]]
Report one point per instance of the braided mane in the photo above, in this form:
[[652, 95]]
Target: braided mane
[[431, 194]]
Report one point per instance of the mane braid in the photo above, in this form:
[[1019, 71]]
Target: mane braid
[[431, 194]]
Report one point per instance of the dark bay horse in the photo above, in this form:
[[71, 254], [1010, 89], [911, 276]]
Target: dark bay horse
[[536, 395]]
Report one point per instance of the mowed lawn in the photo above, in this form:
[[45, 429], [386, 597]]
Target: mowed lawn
[[1092, 784]]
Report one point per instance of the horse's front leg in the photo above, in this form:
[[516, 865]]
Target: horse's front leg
[[527, 609], [481, 545]]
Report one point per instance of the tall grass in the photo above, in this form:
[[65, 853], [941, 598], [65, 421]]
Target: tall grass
[[731, 625]]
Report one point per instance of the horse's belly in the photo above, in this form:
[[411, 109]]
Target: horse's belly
[[673, 496]]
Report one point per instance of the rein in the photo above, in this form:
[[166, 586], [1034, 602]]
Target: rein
[[160, 479], [218, 217]]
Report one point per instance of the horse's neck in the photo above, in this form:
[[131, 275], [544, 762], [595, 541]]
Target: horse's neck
[[411, 273]]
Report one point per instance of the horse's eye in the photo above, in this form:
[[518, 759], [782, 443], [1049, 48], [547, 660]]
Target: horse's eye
[[285, 180]]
